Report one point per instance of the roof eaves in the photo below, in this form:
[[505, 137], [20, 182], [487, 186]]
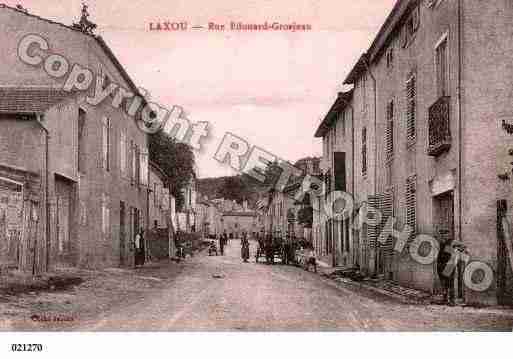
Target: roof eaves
[[340, 104], [357, 70], [100, 41], [393, 20]]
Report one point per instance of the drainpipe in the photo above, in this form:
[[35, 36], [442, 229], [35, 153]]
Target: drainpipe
[[367, 65], [39, 119]]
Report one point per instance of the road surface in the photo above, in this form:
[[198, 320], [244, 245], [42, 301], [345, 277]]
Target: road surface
[[223, 294]]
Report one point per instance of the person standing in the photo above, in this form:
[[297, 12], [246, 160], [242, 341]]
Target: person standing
[[245, 248], [139, 248], [222, 242], [445, 270]]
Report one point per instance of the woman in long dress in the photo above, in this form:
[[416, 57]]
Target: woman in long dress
[[245, 248]]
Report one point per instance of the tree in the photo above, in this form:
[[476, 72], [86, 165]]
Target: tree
[[234, 189], [177, 161]]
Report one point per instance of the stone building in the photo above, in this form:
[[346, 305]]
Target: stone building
[[97, 158], [431, 138], [234, 223], [334, 239], [161, 211]]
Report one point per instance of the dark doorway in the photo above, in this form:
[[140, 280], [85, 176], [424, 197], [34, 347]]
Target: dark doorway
[[444, 225], [122, 233]]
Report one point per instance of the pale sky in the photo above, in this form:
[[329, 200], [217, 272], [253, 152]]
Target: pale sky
[[271, 88]]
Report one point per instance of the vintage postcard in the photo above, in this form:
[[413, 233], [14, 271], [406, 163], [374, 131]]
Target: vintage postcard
[[255, 166]]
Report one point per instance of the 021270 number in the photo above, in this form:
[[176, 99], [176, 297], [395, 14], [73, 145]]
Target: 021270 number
[[26, 347]]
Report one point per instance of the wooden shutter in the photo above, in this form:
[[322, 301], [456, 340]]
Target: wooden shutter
[[364, 151], [411, 93], [339, 164], [389, 133], [373, 231], [416, 18], [387, 211], [411, 203]]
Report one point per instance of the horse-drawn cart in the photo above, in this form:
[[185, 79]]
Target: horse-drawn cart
[[270, 250]]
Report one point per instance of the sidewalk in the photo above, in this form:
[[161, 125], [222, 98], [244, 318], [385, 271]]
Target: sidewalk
[[391, 290]]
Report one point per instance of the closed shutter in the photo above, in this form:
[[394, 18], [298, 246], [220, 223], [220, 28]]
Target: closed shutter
[[372, 231], [411, 93], [387, 211], [411, 204], [364, 151], [389, 133]]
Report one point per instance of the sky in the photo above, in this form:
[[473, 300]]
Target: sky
[[270, 88]]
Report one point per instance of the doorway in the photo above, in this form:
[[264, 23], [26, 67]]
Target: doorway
[[63, 203], [122, 233], [444, 229]]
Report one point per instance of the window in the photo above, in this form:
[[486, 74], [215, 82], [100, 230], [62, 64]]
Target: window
[[389, 133], [105, 217], [122, 154], [411, 203], [133, 164], [411, 109], [364, 92], [411, 26], [137, 165], [155, 195], [364, 151], [106, 144], [390, 57], [342, 124], [442, 68], [81, 141], [143, 167]]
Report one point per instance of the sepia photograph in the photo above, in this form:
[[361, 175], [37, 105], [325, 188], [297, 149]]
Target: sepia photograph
[[243, 168]]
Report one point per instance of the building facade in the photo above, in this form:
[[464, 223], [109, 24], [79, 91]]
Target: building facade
[[431, 105], [97, 156]]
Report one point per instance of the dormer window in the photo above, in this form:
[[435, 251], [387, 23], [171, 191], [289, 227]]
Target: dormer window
[[411, 26]]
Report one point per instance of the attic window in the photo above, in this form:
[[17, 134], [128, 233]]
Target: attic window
[[411, 26], [390, 57]]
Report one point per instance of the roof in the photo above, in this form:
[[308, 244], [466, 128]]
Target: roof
[[359, 68], [382, 39], [30, 100], [98, 39], [393, 20], [342, 101], [240, 214]]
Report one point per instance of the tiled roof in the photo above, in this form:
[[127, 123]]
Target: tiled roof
[[30, 99], [99, 40]]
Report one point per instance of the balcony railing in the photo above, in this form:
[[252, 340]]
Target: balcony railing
[[439, 126]]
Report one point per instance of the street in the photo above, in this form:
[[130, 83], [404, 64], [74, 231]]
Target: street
[[223, 294]]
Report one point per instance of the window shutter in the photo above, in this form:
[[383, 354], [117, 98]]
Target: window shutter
[[122, 153], [132, 163], [405, 33], [373, 231], [165, 199], [411, 203], [386, 202], [416, 18], [105, 143], [389, 133], [411, 94], [364, 151], [143, 167]]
